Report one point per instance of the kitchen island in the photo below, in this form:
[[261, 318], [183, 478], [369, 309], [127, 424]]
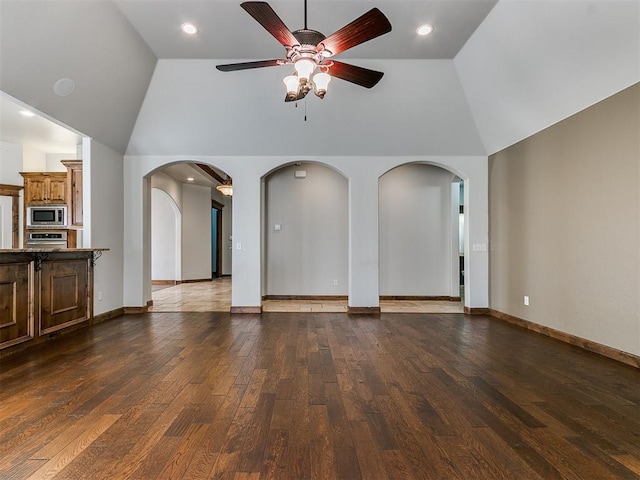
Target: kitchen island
[[43, 291]]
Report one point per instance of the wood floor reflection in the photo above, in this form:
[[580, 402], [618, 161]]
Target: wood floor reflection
[[215, 296]]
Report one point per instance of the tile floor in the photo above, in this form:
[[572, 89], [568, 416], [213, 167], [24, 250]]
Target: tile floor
[[215, 296]]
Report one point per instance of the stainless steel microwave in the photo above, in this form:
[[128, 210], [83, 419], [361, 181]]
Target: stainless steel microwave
[[46, 216]]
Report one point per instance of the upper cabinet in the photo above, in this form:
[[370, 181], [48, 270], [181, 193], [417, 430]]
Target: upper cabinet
[[74, 189], [45, 188]]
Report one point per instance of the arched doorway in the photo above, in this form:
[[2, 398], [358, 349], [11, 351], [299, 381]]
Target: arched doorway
[[418, 239], [185, 242]]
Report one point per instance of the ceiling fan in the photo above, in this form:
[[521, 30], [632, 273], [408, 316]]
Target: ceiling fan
[[310, 51]]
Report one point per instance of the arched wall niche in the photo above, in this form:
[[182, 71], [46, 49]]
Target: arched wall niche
[[305, 231]]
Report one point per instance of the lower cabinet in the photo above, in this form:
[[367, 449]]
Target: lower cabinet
[[64, 294], [43, 293], [16, 304]]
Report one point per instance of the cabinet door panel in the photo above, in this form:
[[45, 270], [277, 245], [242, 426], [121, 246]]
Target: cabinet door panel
[[64, 294], [57, 190], [76, 197], [16, 314], [35, 191]]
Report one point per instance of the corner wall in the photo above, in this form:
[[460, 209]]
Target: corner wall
[[564, 225], [102, 171]]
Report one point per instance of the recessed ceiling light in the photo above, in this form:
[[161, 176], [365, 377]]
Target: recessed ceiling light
[[425, 29], [27, 113], [190, 179], [189, 28]]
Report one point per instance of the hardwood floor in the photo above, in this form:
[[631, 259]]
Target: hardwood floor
[[315, 396]]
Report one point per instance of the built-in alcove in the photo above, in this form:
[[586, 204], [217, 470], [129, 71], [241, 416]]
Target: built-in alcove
[[305, 232]]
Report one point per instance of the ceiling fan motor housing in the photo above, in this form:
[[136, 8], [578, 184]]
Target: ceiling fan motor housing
[[309, 40]]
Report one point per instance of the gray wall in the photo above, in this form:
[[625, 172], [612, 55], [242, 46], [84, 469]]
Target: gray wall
[[310, 251], [564, 225], [416, 231], [196, 232]]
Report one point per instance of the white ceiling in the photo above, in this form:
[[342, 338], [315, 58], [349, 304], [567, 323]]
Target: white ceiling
[[227, 31], [35, 132], [491, 74]]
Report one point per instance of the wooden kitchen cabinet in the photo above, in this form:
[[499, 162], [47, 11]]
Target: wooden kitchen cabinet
[[74, 189], [16, 304], [65, 293], [42, 292], [45, 188]]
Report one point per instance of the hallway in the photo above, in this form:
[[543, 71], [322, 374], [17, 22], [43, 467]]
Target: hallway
[[215, 296]]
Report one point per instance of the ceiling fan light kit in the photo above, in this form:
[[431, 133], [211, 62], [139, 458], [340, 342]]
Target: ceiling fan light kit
[[309, 51]]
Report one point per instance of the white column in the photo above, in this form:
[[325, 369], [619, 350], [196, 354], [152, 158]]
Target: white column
[[246, 273], [364, 285], [454, 284], [137, 268], [476, 227]]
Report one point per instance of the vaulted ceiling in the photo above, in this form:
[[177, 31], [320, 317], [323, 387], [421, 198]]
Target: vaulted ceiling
[[489, 75]]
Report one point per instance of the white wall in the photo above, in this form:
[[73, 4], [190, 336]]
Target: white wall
[[103, 224], [6, 222], [247, 173], [169, 185], [33, 160], [418, 108], [166, 237], [310, 251], [227, 231], [415, 231], [52, 161], [11, 163], [196, 232]]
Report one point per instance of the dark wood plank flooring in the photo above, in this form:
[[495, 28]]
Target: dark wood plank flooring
[[315, 396]]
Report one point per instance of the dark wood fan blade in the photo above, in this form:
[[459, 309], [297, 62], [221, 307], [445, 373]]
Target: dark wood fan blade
[[232, 67], [269, 19], [367, 27], [358, 75]]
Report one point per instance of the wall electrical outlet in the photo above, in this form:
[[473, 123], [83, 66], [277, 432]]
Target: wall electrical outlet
[[335, 282], [526, 300], [99, 296]]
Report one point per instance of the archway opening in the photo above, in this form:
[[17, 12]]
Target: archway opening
[[190, 220], [419, 244]]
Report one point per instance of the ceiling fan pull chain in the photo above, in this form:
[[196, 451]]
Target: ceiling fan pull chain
[[305, 109]]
